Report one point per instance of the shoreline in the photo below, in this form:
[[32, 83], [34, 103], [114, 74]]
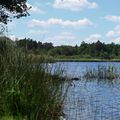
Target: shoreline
[[87, 60]]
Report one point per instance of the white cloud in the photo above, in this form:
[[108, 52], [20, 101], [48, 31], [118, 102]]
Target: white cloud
[[116, 40], [113, 18], [64, 38], [35, 9], [93, 38], [12, 37], [110, 33], [54, 21], [74, 5], [38, 32], [114, 33]]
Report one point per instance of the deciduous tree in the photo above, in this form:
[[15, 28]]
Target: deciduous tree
[[12, 8]]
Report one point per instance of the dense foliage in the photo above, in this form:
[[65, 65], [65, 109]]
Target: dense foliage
[[27, 90], [85, 50], [17, 8]]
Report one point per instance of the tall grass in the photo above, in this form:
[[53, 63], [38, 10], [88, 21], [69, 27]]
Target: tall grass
[[26, 90], [102, 72]]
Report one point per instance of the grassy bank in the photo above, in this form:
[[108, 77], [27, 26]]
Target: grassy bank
[[27, 92], [77, 58]]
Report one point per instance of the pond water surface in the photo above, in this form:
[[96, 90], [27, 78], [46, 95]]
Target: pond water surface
[[91, 99]]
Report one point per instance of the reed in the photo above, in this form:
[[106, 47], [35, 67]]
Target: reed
[[26, 90], [102, 72]]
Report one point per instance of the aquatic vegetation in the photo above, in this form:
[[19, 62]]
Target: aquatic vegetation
[[102, 72]]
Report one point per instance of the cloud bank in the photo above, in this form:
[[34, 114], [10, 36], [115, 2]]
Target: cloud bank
[[59, 22], [74, 5]]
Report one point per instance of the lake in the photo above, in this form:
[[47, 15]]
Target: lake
[[92, 99]]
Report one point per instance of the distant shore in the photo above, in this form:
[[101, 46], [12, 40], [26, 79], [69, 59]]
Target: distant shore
[[87, 60]]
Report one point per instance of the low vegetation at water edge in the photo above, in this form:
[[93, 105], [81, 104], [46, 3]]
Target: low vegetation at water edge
[[102, 72], [27, 92]]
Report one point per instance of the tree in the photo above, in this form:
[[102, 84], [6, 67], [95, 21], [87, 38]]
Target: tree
[[98, 46], [83, 48], [15, 8], [47, 46]]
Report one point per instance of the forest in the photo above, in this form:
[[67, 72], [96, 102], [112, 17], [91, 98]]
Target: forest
[[84, 50]]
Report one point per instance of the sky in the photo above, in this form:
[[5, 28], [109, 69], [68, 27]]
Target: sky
[[69, 22]]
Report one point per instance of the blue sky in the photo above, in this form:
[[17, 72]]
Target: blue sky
[[69, 22]]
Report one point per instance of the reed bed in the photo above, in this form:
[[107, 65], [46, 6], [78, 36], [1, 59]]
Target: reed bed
[[102, 72], [27, 92]]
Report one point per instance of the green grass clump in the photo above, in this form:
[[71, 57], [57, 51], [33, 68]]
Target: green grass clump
[[26, 90], [102, 72]]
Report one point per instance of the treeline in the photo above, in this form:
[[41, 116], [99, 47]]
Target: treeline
[[31, 45], [85, 50]]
